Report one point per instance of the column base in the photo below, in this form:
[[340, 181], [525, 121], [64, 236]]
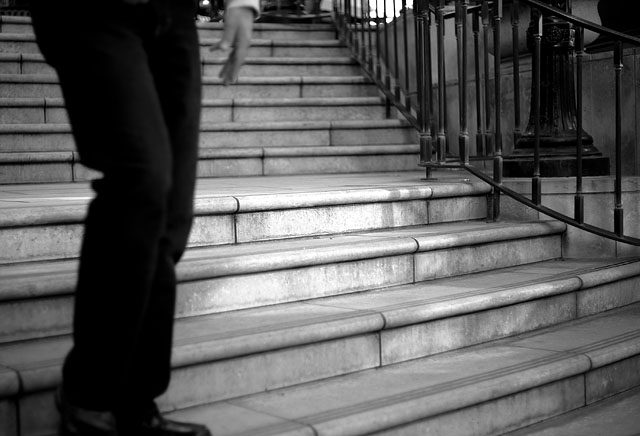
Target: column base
[[555, 166]]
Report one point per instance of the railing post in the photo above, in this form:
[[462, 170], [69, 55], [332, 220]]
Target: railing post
[[619, 211], [461, 39], [486, 19], [423, 64], [579, 198], [498, 159], [480, 132], [536, 184], [442, 85], [515, 26]]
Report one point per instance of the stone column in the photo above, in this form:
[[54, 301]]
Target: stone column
[[558, 129]]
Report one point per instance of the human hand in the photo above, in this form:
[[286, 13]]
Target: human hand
[[238, 27]]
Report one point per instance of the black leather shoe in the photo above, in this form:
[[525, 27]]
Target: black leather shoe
[[76, 421], [154, 424]]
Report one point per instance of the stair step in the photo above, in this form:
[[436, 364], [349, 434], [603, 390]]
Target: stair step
[[52, 110], [57, 137], [10, 25], [481, 390], [39, 86], [226, 356], [23, 43], [225, 278], [615, 416], [44, 222], [33, 63]]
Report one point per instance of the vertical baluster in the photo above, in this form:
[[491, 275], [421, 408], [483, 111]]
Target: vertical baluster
[[378, 43], [487, 79], [386, 46], [498, 160], [442, 83], [618, 212], [480, 146], [579, 199], [363, 15], [407, 86], [515, 25], [396, 55], [536, 196], [461, 39], [423, 63], [369, 38]]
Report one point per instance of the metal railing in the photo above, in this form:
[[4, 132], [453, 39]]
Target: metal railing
[[415, 80]]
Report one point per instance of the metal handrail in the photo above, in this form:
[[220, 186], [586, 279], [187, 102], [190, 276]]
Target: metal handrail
[[423, 100]]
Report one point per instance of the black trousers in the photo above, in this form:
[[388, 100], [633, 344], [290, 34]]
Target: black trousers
[[130, 76]]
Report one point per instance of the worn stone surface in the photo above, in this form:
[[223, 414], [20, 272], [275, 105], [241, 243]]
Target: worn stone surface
[[339, 164], [502, 415], [608, 296], [228, 420], [260, 372], [8, 418], [616, 416], [36, 172], [613, 379], [31, 318], [375, 400], [325, 220], [40, 243], [443, 263], [251, 290], [451, 333]]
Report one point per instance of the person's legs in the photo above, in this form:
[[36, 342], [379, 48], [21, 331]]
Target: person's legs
[[134, 109]]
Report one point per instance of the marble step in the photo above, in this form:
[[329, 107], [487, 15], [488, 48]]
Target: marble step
[[21, 43], [36, 298], [295, 352], [52, 110], [44, 221], [57, 137], [43, 86], [255, 66], [614, 416], [22, 25], [489, 389]]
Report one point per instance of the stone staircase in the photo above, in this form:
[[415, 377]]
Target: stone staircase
[[342, 295]]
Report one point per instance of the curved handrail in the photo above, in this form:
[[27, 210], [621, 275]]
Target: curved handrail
[[425, 105]]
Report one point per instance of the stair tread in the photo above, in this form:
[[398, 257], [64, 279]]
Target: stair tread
[[243, 332], [615, 416], [57, 277], [242, 101], [231, 126], [381, 398]]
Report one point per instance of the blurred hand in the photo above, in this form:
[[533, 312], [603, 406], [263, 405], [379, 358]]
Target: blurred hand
[[238, 27]]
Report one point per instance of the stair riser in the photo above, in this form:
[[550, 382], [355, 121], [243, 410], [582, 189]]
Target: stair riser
[[275, 70], [322, 136], [291, 34], [54, 172], [259, 49], [204, 33], [209, 69], [210, 91], [217, 114]]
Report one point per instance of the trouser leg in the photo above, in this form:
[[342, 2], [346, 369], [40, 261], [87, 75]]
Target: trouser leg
[[125, 125]]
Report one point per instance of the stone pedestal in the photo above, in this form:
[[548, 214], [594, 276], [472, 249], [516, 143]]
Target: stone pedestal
[[558, 125]]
